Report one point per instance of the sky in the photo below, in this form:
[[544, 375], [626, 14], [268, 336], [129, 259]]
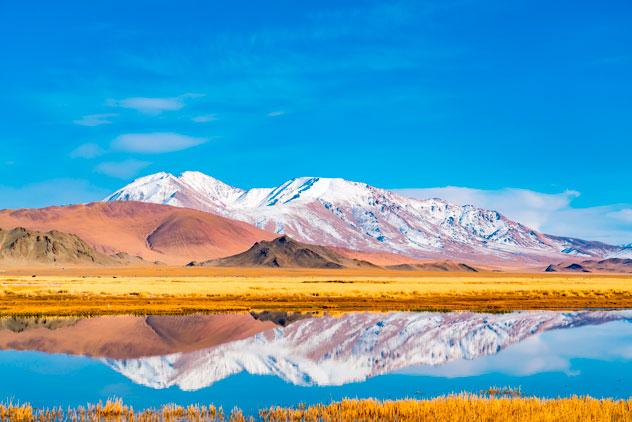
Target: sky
[[520, 106]]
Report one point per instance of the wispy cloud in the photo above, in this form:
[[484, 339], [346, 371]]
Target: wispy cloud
[[204, 118], [276, 113], [153, 105], [50, 192], [121, 169], [148, 105], [87, 151], [594, 223], [550, 213], [155, 143], [95, 119], [624, 215]]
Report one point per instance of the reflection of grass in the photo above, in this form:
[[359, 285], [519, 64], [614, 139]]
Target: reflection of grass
[[89, 292], [450, 408]]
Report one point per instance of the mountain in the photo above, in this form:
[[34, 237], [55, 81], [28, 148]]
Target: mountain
[[22, 246], [284, 252], [337, 212], [353, 347], [610, 265], [153, 232]]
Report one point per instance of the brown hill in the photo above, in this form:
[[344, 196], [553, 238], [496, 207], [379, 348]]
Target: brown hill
[[284, 252], [447, 266], [610, 265], [20, 245], [150, 231]]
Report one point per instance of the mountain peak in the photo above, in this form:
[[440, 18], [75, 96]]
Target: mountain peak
[[162, 175]]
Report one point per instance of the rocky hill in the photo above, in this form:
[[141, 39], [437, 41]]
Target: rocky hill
[[285, 252], [20, 245]]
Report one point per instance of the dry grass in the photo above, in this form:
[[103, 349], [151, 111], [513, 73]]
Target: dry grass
[[461, 408], [450, 408], [178, 290]]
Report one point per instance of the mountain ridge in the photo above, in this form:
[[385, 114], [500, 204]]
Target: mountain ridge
[[341, 213]]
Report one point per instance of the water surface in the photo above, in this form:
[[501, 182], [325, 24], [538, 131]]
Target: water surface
[[234, 360]]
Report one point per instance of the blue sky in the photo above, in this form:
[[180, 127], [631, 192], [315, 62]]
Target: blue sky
[[497, 97]]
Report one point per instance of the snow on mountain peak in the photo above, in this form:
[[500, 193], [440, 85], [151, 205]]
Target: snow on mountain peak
[[339, 212], [154, 186], [317, 188], [210, 186]]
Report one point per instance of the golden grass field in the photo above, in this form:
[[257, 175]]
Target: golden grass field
[[93, 291], [449, 408]]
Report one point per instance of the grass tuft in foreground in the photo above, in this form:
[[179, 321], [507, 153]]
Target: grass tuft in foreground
[[463, 407]]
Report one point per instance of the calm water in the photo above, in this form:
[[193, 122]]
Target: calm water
[[234, 360]]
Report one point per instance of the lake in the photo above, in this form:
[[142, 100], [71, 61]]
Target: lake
[[239, 360]]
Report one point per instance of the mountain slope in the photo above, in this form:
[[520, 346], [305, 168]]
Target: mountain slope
[[22, 246], [337, 212], [284, 252], [153, 232]]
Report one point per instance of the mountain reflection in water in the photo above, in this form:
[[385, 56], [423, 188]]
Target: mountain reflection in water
[[194, 352]]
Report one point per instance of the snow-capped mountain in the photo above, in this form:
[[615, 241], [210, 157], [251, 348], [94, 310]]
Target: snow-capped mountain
[[338, 212], [335, 351]]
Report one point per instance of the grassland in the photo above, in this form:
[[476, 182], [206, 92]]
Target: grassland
[[450, 408], [94, 291]]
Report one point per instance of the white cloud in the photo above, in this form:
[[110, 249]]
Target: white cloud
[[149, 105], [121, 169], [50, 192], [593, 223], [95, 119], [205, 118], [549, 213], [153, 105], [156, 142], [87, 151], [276, 113]]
